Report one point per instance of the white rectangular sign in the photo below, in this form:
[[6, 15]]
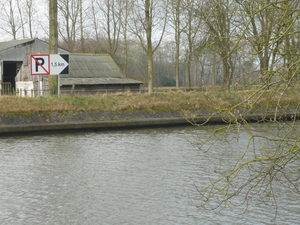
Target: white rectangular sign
[[40, 64], [49, 64], [58, 64]]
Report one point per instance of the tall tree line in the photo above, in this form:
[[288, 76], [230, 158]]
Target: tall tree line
[[194, 42]]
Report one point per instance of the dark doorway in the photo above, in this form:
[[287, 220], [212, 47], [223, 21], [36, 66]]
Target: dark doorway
[[10, 70]]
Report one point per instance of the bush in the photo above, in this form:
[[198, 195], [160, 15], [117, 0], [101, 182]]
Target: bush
[[168, 82]]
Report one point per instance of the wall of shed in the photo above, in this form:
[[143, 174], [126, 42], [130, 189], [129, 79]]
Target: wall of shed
[[1, 74], [29, 85], [96, 89], [25, 88], [24, 72]]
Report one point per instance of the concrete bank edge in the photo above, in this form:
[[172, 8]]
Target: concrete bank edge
[[137, 123]]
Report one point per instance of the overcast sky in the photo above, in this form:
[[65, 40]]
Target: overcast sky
[[40, 20]]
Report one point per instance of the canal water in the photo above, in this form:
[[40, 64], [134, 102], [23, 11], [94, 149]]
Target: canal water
[[142, 176]]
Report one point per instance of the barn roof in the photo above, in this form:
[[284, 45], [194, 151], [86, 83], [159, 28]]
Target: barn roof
[[10, 44], [16, 50], [94, 69]]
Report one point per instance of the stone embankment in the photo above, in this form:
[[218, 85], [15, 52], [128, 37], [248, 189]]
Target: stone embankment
[[66, 121], [56, 122]]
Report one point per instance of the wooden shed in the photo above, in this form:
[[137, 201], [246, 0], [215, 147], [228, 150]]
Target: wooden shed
[[12, 54], [95, 74], [88, 74]]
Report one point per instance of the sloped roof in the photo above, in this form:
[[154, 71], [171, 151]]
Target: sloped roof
[[10, 44], [94, 69], [96, 81]]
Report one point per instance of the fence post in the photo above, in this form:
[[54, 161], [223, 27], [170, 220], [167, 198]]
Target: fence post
[[72, 91]]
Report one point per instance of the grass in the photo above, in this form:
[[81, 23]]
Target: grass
[[158, 101]]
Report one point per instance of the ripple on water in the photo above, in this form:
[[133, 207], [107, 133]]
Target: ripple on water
[[122, 177]]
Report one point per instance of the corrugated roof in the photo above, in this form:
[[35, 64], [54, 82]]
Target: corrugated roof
[[94, 69], [10, 44], [96, 81], [92, 66]]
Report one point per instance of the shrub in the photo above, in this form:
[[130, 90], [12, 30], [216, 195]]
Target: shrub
[[168, 82]]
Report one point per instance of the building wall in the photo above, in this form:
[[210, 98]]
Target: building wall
[[25, 88], [24, 71], [1, 74], [98, 89]]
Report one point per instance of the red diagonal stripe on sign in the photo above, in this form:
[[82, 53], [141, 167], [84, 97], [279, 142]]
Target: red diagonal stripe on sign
[[48, 72]]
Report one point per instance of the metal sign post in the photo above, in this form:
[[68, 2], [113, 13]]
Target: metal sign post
[[58, 85], [39, 88]]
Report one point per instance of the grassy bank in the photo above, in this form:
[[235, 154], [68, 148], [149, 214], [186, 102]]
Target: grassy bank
[[159, 101]]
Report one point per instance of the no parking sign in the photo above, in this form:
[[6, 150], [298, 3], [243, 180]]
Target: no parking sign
[[40, 64], [46, 64]]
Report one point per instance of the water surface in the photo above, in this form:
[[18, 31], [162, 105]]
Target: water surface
[[139, 176]]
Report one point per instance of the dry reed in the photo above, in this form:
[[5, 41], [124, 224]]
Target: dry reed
[[158, 101]]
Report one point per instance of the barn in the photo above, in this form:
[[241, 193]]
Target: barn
[[12, 54], [95, 74], [87, 73]]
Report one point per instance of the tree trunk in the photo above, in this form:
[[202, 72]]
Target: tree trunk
[[53, 42], [190, 44], [149, 45], [81, 28], [213, 75], [177, 41]]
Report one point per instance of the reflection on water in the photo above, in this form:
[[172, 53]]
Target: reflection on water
[[120, 177]]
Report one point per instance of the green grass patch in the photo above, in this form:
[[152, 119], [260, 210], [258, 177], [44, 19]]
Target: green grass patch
[[159, 101]]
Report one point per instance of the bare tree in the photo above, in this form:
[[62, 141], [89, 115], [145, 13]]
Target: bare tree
[[258, 168], [192, 31], [81, 27], [30, 12], [12, 18], [111, 12], [189, 33], [20, 6], [175, 9], [218, 18], [69, 25], [94, 18], [270, 26], [148, 16], [126, 10]]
